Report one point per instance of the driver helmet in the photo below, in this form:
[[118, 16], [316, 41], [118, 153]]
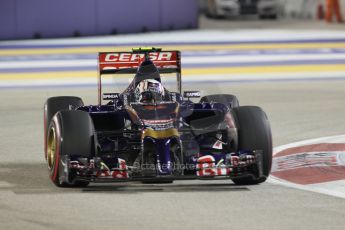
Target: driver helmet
[[149, 90]]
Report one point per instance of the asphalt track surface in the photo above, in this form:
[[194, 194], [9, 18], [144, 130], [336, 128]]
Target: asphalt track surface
[[297, 111]]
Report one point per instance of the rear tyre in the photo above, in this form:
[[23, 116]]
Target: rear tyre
[[254, 133], [227, 99], [70, 134], [54, 105]]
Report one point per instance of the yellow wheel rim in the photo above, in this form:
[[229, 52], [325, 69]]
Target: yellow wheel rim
[[51, 148]]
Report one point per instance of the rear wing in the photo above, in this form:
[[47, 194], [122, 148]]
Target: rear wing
[[128, 63]]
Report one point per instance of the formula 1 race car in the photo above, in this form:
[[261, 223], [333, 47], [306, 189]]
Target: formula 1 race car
[[150, 134]]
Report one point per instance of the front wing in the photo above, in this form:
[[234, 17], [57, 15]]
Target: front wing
[[207, 167]]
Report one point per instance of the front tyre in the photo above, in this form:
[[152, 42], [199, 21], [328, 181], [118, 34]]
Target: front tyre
[[70, 134], [54, 105], [254, 133]]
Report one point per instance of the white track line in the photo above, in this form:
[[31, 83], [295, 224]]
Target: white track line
[[217, 79], [334, 188], [238, 59], [246, 35]]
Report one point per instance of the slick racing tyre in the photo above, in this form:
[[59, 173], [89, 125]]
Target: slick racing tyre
[[70, 134], [54, 105], [254, 133], [227, 99]]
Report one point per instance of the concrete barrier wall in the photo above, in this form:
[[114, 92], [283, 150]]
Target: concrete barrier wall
[[63, 18]]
